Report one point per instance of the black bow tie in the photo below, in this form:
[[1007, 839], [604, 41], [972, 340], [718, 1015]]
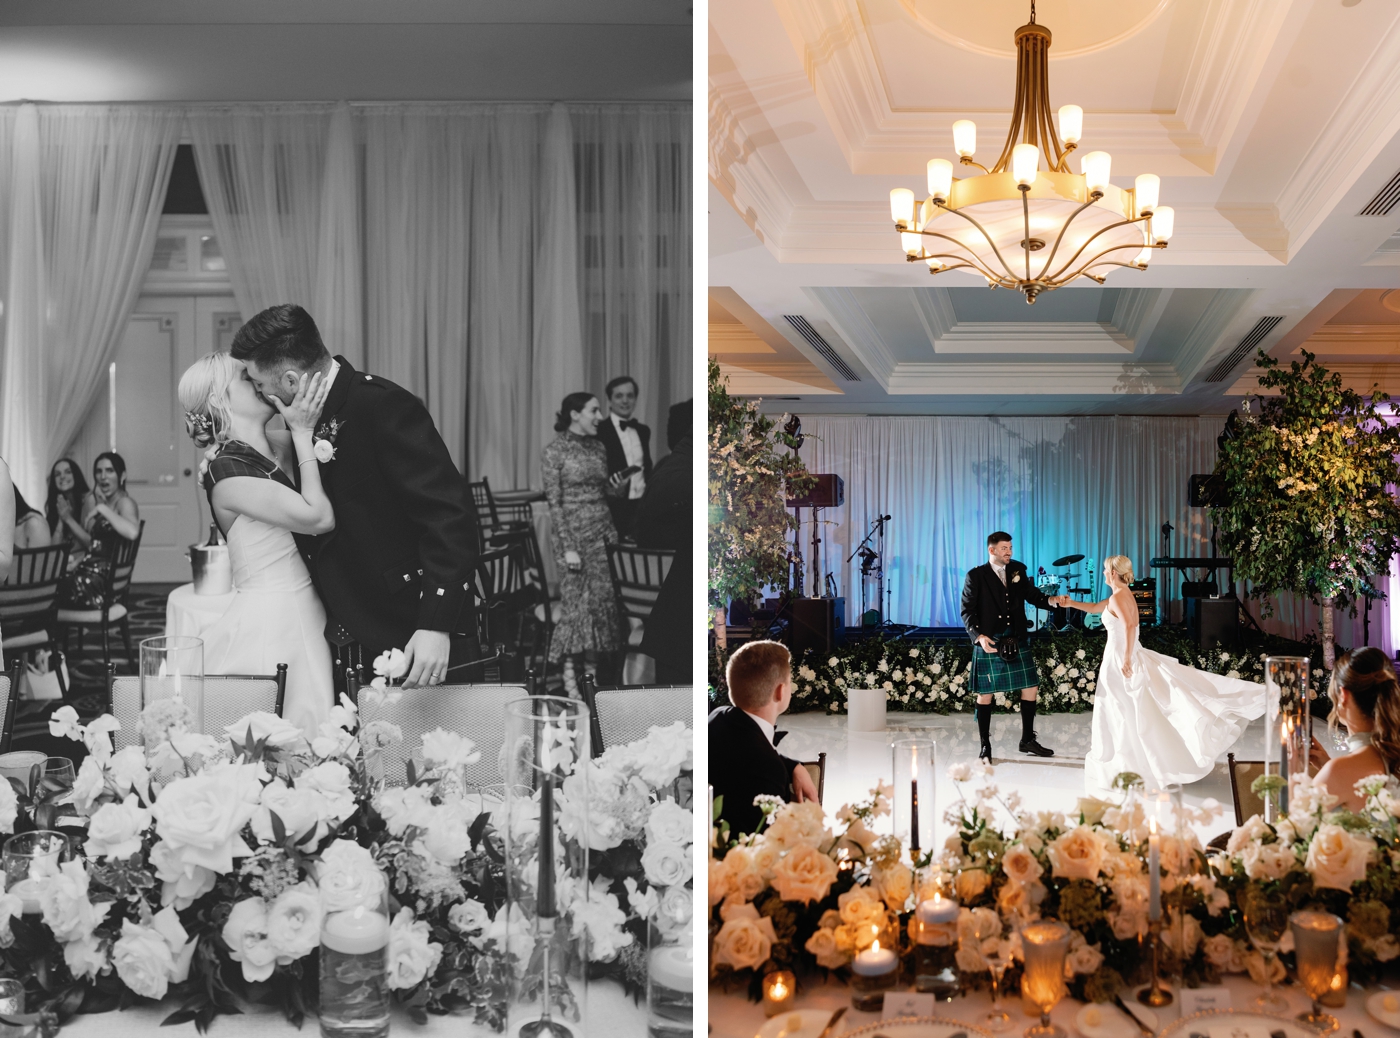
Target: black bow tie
[[628, 423], [779, 737]]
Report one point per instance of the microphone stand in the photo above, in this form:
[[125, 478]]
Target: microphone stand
[[877, 525]]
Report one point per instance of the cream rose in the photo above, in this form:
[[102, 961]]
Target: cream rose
[[969, 883], [1253, 830], [348, 877], [183, 884], [1020, 865], [745, 880], [668, 822], [718, 886], [468, 917], [143, 960], [115, 830], [1077, 854], [823, 945], [1266, 861], [200, 817], [245, 933], [262, 726], [797, 825], [86, 957], [294, 922], [332, 780], [895, 884], [128, 772], [859, 907], [449, 749], [1337, 858], [744, 941], [67, 910], [1224, 954], [301, 811], [666, 864], [411, 955], [804, 874], [1083, 957]]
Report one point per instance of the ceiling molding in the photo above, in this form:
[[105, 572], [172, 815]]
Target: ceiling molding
[[855, 331], [1353, 340], [1034, 379], [1358, 377], [751, 382], [736, 338], [1212, 331], [1062, 337]]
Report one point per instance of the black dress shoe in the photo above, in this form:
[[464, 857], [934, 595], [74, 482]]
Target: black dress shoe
[[1032, 746], [985, 753]]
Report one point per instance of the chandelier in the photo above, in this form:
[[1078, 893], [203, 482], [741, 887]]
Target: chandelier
[[1023, 227]]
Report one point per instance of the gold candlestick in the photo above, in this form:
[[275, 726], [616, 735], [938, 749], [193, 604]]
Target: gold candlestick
[[1156, 995]]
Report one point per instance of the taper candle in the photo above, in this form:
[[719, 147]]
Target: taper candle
[[1154, 878], [544, 889]]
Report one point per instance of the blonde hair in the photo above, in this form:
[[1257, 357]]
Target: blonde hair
[[203, 394], [1123, 566]]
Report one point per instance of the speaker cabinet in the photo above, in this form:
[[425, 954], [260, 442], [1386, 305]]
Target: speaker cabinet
[[829, 492], [1145, 594], [817, 624], [1213, 622]]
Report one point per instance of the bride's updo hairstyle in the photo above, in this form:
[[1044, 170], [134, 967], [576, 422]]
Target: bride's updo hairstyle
[[1123, 566], [1369, 678], [203, 394], [574, 402]]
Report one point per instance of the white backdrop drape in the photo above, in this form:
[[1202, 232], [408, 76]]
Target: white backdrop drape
[[1094, 485]]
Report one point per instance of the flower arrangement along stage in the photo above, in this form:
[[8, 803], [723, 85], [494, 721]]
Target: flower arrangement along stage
[[931, 676], [201, 867], [802, 896]]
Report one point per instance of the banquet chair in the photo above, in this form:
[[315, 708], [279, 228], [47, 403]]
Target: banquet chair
[[115, 605], [227, 697], [817, 769], [476, 711], [9, 695], [29, 601], [637, 576], [1242, 776], [628, 713], [539, 612], [483, 502]]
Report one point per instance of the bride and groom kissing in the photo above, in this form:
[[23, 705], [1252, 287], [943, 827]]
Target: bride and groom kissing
[[354, 511], [1153, 716]]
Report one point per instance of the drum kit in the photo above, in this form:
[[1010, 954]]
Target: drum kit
[[1052, 584]]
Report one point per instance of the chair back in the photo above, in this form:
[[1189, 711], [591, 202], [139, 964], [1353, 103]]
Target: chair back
[[528, 557], [9, 695], [637, 576], [817, 769], [227, 697], [628, 714], [29, 594], [123, 563], [1242, 776], [476, 711], [483, 502]]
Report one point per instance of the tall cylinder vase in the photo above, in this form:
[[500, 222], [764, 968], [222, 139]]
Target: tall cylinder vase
[[172, 686], [547, 884], [1287, 727], [914, 812]]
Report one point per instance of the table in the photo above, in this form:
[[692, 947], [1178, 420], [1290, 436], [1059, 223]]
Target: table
[[190, 615], [609, 1012], [732, 1015]]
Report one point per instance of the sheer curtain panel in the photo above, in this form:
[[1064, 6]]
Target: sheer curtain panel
[[22, 379]]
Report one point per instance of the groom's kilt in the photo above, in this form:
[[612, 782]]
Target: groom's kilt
[[992, 674]]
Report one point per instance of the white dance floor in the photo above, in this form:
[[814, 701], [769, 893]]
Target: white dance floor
[[856, 760]]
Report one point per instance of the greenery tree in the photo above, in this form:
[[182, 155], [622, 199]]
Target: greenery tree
[[1307, 483], [753, 468]]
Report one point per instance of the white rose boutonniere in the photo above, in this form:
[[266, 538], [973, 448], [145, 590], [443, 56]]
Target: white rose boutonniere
[[324, 451], [1015, 578], [324, 440]]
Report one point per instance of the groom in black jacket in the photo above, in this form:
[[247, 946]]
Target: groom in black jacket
[[994, 612], [396, 572]]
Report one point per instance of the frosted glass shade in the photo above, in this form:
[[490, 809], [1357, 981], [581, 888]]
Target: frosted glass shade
[[965, 138], [1071, 123], [1025, 158], [1145, 190], [1163, 223], [902, 205], [940, 178], [1095, 166]]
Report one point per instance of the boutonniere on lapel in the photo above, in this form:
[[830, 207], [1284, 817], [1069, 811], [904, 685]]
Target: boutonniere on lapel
[[1015, 578], [324, 446]]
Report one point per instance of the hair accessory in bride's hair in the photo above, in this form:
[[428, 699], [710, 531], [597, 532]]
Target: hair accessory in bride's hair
[[200, 428]]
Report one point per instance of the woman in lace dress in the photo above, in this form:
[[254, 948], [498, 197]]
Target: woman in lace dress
[[575, 482]]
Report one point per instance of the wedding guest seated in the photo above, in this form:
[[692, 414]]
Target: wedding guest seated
[[109, 514], [1366, 699], [63, 508], [744, 762], [30, 529]]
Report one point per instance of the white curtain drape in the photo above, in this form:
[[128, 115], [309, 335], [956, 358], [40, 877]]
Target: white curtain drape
[[634, 183], [1098, 486], [24, 382]]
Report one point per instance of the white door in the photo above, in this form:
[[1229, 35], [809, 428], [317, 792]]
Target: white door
[[140, 418]]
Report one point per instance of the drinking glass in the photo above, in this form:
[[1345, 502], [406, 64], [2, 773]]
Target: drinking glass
[[1266, 920], [998, 958], [173, 668], [31, 861], [11, 1005], [1316, 941], [1044, 945]]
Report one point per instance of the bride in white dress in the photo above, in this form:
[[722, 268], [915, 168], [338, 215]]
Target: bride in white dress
[[276, 616], [1154, 716]]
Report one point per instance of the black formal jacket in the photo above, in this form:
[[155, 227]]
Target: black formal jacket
[[990, 608], [405, 542], [743, 764], [617, 457]]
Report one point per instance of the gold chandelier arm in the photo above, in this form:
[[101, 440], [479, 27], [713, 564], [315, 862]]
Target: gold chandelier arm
[[1026, 217], [1061, 236], [1097, 261], [968, 160], [971, 259], [1102, 230], [985, 237]]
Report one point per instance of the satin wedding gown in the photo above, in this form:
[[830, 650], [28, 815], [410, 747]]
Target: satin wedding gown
[[276, 617], [1168, 722]]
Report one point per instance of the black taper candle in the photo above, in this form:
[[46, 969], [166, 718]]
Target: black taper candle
[[914, 816], [544, 889]]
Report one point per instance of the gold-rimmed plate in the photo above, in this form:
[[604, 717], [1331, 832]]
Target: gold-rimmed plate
[[919, 1027], [1237, 1023], [1384, 1006], [796, 1023]]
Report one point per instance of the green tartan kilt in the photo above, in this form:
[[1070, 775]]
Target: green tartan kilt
[[992, 674]]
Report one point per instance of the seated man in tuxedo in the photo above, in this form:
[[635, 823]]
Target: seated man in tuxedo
[[743, 759]]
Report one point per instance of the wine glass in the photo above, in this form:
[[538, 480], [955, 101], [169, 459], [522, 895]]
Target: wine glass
[[1266, 920], [997, 952]]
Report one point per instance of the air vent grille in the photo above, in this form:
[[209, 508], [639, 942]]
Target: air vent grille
[[1387, 198], [1245, 347], [815, 340]]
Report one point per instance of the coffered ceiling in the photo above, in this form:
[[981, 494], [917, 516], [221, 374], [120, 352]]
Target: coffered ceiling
[[1273, 124]]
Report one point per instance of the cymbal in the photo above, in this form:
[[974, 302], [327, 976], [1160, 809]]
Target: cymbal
[[1068, 560]]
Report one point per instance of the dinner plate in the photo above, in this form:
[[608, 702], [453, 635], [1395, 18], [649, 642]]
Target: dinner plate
[[797, 1023], [920, 1027], [1104, 1021], [1376, 1006], [1222, 1023]]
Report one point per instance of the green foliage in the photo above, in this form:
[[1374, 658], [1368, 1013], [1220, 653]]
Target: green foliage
[[1306, 479], [753, 467]]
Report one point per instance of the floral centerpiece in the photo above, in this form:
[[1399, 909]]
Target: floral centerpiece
[[205, 863]]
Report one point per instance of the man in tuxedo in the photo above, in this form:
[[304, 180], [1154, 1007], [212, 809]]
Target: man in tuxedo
[[744, 762], [396, 572], [628, 443], [994, 612]]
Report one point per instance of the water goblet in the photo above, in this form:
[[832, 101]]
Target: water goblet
[[31, 861], [1266, 921], [1317, 939], [1044, 945]]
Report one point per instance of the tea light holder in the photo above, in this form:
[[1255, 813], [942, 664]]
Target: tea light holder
[[1316, 942], [1044, 945], [779, 992], [913, 808], [934, 930]]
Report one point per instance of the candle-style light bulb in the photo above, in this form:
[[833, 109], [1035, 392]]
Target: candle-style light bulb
[[1071, 123], [1146, 188], [965, 138], [902, 206], [1025, 158], [940, 178], [1096, 167], [1163, 222]]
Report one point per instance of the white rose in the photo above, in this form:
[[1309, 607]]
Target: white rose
[[392, 664], [745, 940], [675, 909], [9, 807], [245, 933], [404, 806], [294, 922], [668, 822], [447, 838], [200, 817], [332, 780], [1076, 854], [468, 917], [1267, 861], [86, 957], [448, 749], [666, 863], [300, 810], [411, 955], [115, 829], [128, 773], [1337, 858], [143, 960], [1020, 865], [88, 785], [804, 874], [64, 899], [184, 883], [266, 727], [324, 451], [348, 877]]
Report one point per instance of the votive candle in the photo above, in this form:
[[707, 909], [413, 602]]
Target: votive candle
[[779, 991], [873, 973]]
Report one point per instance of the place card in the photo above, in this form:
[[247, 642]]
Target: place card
[[912, 1003], [1201, 1000]]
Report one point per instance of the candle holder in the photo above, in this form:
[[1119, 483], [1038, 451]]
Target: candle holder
[[875, 968], [173, 669], [1316, 942], [913, 808], [1156, 995], [31, 860], [779, 992], [671, 965], [546, 864], [1044, 945], [934, 929], [1287, 726], [354, 965]]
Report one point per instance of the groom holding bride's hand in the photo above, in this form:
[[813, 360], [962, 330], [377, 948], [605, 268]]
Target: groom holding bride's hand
[[396, 572]]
